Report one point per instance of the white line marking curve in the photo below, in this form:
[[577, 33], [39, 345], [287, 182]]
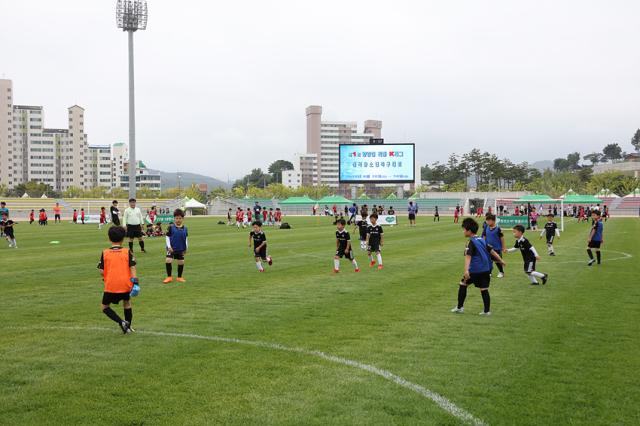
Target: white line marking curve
[[438, 399]]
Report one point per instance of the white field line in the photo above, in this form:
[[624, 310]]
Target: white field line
[[438, 399]]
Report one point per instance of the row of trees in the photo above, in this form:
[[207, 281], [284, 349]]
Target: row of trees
[[488, 170], [258, 178]]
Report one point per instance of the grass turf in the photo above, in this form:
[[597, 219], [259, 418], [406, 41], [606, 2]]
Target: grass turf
[[565, 353]]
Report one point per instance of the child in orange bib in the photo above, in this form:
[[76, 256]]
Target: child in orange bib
[[118, 268]]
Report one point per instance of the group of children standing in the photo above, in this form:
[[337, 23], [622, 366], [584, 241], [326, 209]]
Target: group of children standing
[[246, 218]]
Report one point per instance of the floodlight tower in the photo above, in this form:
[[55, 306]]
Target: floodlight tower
[[131, 16]]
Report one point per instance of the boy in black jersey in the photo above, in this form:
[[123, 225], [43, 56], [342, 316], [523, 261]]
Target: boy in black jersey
[[6, 226], [529, 255], [551, 231], [375, 240], [343, 247], [259, 245], [362, 230]]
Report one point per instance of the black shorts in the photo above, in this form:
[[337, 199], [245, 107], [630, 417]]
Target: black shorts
[[374, 247], [56, 217], [342, 253], [115, 298], [177, 255], [115, 220], [550, 239], [262, 253], [134, 231], [480, 279], [412, 216], [530, 266], [594, 244], [9, 233], [534, 223]]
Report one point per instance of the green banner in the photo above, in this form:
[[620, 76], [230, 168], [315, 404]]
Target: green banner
[[511, 221], [164, 218]]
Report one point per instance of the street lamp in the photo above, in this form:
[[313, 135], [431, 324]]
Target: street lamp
[[131, 15]]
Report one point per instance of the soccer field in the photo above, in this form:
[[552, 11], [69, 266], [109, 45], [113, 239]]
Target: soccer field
[[301, 345]]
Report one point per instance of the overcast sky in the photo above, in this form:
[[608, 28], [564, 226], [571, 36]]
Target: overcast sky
[[222, 86]]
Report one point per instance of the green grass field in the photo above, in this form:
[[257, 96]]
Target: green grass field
[[566, 353]]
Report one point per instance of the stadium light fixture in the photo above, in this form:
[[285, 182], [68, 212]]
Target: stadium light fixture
[[131, 16]]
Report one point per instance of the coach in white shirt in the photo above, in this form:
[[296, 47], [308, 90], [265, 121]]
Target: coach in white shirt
[[133, 220]]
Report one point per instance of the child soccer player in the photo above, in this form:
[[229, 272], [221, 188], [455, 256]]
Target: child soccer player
[[456, 214], [534, 219], [343, 247], [177, 245], [529, 255], [271, 221], [259, 245], [82, 216], [6, 226], [595, 237], [103, 217], [436, 215], [239, 218], [551, 231], [247, 218], [278, 216], [362, 231], [57, 210], [477, 267], [375, 240], [494, 238], [265, 215], [115, 213], [32, 216], [75, 216], [118, 268]]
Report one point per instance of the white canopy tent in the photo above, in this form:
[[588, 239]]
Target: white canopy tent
[[635, 193], [44, 196], [25, 195], [190, 205]]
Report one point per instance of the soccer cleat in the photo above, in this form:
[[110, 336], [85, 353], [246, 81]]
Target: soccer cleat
[[335, 271], [457, 310], [124, 326], [260, 270], [485, 314], [552, 254], [143, 251], [131, 329], [380, 267], [545, 278], [591, 262], [181, 280], [500, 275], [536, 283], [372, 264], [167, 280], [357, 270]]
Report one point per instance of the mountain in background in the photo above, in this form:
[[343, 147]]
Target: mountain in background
[[542, 165], [170, 180]]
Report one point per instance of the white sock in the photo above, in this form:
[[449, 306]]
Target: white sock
[[537, 274], [370, 258], [551, 248], [14, 243], [379, 256], [259, 266], [532, 279], [355, 264], [336, 264]]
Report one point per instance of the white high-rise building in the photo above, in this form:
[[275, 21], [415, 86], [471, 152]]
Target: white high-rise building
[[100, 165], [324, 137], [6, 134], [119, 157]]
